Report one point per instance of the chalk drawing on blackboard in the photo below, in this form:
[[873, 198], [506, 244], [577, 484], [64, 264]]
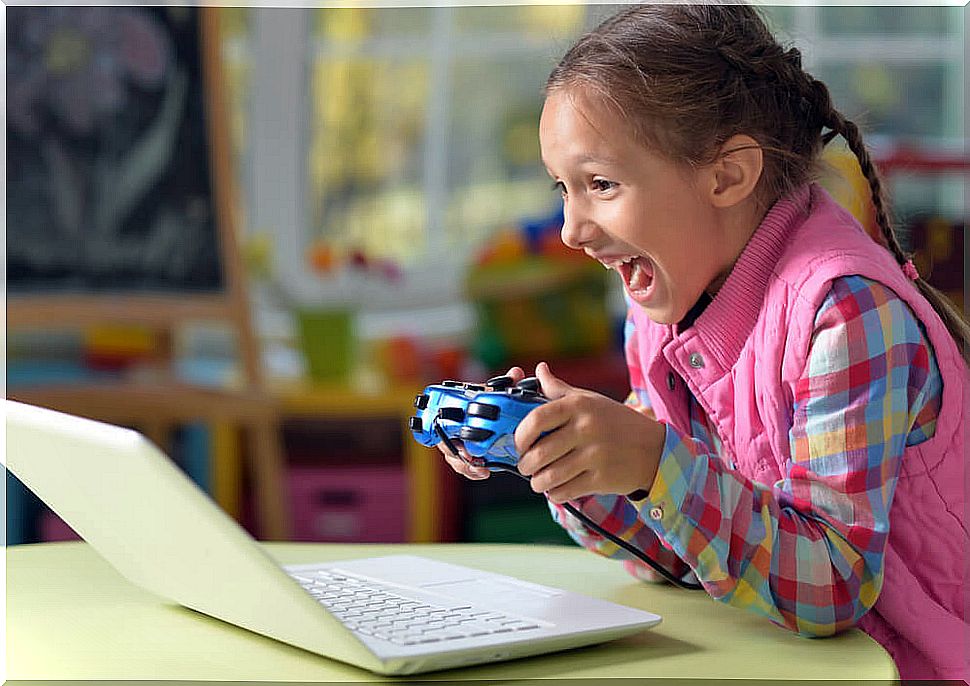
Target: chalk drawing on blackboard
[[108, 174]]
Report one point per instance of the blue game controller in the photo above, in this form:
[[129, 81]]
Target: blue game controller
[[482, 416]]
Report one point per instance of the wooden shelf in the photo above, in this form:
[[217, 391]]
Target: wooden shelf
[[432, 491]]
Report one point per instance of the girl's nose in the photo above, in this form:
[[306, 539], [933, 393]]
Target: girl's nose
[[577, 229]]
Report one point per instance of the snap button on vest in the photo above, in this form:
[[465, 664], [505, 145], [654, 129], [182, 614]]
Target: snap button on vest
[[696, 361]]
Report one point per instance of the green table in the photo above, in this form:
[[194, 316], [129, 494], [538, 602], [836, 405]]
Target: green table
[[70, 616]]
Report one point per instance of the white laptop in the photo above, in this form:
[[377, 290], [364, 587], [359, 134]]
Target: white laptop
[[399, 614]]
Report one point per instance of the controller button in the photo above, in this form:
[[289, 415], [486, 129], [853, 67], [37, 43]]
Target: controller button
[[483, 410], [415, 424], [421, 401], [474, 387], [452, 384], [454, 414], [474, 434], [529, 384], [500, 383]]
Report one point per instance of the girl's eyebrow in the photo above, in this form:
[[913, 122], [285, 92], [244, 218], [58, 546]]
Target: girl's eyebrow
[[590, 158]]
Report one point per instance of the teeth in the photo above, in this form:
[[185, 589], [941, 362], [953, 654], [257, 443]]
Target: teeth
[[625, 260]]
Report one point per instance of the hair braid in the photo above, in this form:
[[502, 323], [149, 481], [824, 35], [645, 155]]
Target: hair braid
[[853, 138], [954, 320]]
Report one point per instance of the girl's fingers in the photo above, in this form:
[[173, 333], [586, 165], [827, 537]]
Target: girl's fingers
[[561, 472], [460, 465], [465, 469], [552, 386], [545, 418], [577, 487], [547, 450]]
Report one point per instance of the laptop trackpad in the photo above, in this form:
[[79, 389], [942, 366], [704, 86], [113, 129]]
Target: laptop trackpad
[[507, 591]]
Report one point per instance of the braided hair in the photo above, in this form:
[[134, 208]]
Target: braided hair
[[687, 78]]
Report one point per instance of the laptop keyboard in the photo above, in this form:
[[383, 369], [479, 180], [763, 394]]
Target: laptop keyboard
[[368, 607]]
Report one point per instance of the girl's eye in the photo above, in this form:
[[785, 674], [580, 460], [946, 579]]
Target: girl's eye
[[559, 186], [602, 185]]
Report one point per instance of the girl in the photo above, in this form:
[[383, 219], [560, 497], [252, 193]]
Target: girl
[[795, 432]]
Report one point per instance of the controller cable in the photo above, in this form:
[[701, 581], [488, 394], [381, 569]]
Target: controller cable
[[574, 511]]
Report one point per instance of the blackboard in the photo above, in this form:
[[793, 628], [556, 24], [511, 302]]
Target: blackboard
[[109, 185]]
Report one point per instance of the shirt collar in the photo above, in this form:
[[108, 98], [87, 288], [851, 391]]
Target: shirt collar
[[726, 323]]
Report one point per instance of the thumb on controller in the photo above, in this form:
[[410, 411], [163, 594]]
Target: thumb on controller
[[552, 386], [516, 373]]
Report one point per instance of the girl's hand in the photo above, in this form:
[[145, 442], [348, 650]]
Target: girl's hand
[[596, 444], [460, 465]]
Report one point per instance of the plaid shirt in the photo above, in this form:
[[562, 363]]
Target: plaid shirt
[[806, 551]]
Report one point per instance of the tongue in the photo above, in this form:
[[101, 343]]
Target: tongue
[[641, 276]]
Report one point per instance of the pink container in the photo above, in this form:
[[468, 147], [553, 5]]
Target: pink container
[[53, 528], [348, 504]]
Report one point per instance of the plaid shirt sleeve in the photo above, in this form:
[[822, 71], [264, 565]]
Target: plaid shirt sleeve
[[616, 513], [807, 551]]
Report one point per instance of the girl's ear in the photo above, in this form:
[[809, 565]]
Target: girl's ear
[[736, 170]]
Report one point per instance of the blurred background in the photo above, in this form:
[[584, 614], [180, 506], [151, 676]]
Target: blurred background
[[255, 234]]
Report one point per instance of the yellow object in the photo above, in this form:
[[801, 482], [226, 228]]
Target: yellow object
[[258, 254], [507, 246], [92, 624], [119, 339], [844, 181], [939, 239], [227, 469]]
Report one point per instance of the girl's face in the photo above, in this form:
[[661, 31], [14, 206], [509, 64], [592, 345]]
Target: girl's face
[[632, 209]]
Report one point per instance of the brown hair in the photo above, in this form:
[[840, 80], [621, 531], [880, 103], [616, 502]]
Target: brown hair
[[687, 77]]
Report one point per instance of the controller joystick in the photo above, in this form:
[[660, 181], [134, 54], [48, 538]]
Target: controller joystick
[[499, 383]]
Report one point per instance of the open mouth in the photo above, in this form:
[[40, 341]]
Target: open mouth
[[637, 274]]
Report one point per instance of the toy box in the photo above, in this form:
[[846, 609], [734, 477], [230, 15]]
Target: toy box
[[348, 504]]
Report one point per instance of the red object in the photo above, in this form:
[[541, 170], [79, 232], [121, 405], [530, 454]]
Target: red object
[[348, 504], [401, 358], [105, 361], [448, 363], [905, 159], [551, 245], [938, 244], [359, 260]]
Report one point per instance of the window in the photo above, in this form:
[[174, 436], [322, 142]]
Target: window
[[419, 138], [408, 134]]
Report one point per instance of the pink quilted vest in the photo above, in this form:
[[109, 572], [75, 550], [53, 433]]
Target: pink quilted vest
[[741, 360]]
